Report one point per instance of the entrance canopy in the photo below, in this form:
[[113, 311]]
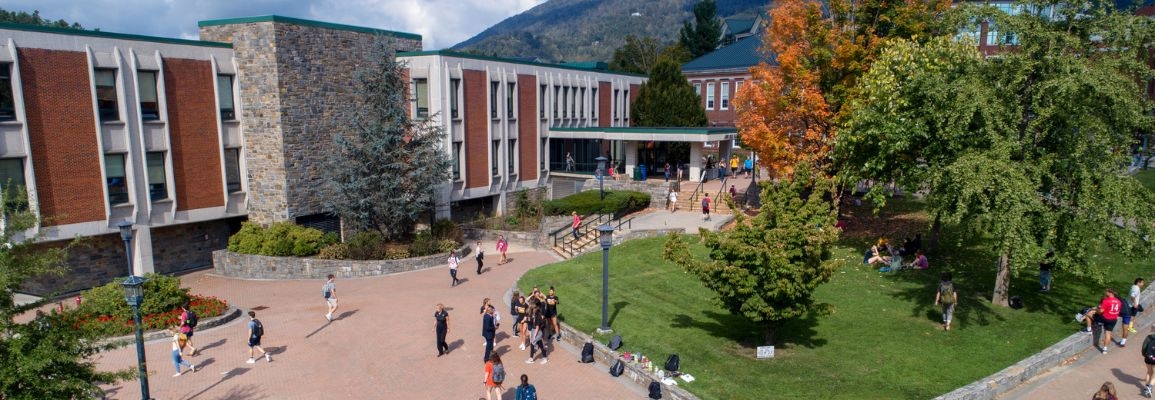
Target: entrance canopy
[[645, 134]]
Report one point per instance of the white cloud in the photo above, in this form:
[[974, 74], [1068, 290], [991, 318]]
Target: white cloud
[[442, 23]]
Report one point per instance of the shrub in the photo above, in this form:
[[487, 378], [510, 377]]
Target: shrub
[[395, 252], [618, 203], [105, 312], [446, 229], [335, 251], [366, 245], [280, 239]]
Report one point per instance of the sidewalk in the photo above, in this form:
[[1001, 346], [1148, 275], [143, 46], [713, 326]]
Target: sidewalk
[[380, 345], [1081, 378]]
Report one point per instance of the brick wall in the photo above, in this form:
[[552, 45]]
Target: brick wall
[[62, 132], [527, 126], [605, 104], [196, 148], [476, 101]]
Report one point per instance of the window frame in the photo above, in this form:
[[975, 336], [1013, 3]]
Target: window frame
[[108, 110], [115, 195], [511, 161], [233, 156], [147, 113], [511, 100], [709, 96], [15, 200], [420, 94], [494, 87], [541, 101], [724, 94], [495, 157], [156, 191], [454, 98], [7, 93], [456, 169], [227, 113]]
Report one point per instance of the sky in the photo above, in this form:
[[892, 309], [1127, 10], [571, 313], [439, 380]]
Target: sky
[[441, 23]]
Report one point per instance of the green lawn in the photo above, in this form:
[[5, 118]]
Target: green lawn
[[883, 341], [1147, 178]]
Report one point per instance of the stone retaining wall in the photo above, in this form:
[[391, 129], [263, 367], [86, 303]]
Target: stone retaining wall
[[250, 266], [606, 357], [657, 190], [991, 387], [228, 316]]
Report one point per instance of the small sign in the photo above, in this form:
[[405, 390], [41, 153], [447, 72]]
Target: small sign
[[765, 352]]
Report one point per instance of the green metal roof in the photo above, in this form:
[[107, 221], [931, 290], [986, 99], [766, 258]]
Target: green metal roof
[[451, 53], [306, 22], [111, 35], [739, 55], [736, 26], [597, 65]]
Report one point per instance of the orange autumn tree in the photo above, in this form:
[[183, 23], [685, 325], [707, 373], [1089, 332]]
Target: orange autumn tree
[[812, 58]]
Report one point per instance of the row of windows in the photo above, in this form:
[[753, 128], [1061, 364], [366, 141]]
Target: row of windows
[[724, 93], [568, 102], [108, 103], [512, 158], [155, 161]]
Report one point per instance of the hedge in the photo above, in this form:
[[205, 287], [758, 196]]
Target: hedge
[[618, 203], [280, 239]]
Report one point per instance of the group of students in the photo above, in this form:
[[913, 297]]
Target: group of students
[[183, 333], [454, 261], [535, 324], [890, 256]]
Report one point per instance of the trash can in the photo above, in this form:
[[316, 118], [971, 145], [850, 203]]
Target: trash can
[[642, 169], [637, 174]]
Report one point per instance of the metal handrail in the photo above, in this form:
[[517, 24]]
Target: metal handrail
[[694, 195]]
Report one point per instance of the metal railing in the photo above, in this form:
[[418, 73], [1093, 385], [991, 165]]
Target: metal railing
[[565, 243]]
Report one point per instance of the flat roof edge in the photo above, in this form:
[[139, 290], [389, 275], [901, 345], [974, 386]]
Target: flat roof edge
[[112, 35], [306, 22]]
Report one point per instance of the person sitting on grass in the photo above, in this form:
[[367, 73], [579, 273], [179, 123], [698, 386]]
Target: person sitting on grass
[[919, 262], [876, 253]]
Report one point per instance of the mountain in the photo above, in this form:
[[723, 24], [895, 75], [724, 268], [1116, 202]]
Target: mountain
[[590, 30]]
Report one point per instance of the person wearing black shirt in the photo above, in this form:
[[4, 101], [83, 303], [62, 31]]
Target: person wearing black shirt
[[1045, 268], [488, 330], [551, 313], [441, 318]]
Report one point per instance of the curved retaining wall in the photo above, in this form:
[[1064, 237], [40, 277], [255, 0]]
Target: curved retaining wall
[[228, 316], [250, 266]]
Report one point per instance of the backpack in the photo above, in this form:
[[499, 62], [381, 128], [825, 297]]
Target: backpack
[[1149, 350], [588, 353], [946, 293], [191, 321], [615, 342], [498, 373], [1016, 302], [655, 390], [527, 392], [258, 329], [672, 363], [617, 369]]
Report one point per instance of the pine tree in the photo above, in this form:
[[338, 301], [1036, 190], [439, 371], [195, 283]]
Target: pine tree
[[387, 163], [705, 33], [23, 17], [667, 99]]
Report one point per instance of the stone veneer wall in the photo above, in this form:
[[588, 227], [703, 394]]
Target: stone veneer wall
[[295, 82], [251, 266], [657, 190], [186, 247]]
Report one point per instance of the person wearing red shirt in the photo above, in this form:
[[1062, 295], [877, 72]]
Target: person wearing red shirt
[[1107, 315]]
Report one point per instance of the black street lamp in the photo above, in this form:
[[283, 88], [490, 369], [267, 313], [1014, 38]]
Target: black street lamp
[[606, 238], [134, 295], [601, 176]]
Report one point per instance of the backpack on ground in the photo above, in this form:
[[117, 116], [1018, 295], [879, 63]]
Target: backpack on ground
[[191, 321], [258, 329], [615, 342], [588, 353], [1016, 302], [498, 373], [946, 293], [655, 390], [617, 369], [672, 363]]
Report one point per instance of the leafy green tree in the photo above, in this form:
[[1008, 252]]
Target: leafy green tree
[[667, 99], [1027, 148], [705, 33], [637, 56], [23, 17], [40, 359], [387, 163], [767, 268]]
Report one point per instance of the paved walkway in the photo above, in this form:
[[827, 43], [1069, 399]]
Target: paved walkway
[[380, 347], [1081, 378]]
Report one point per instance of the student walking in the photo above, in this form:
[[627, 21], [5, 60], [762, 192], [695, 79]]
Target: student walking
[[673, 203], [706, 206], [525, 391], [494, 377], [1136, 308], [502, 245], [1106, 392], [577, 222], [178, 343], [256, 332], [441, 327], [551, 314], [947, 297], [188, 323], [1045, 268], [1148, 352], [329, 290], [453, 261], [515, 311], [568, 162], [488, 330], [480, 257], [1107, 316]]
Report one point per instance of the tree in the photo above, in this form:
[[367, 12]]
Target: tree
[[705, 33], [1026, 149], [766, 269], [637, 56], [40, 359], [23, 17], [813, 56], [387, 163], [667, 99]]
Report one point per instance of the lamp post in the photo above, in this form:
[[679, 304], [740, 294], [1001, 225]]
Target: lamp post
[[601, 176], [134, 294], [606, 238]]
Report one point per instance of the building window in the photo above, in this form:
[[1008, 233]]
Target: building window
[[556, 99], [512, 161], [156, 187], [454, 88], [565, 102], [594, 102], [116, 179], [710, 96], [541, 102], [581, 102], [737, 87], [542, 152], [106, 95], [456, 161], [233, 170], [7, 101], [698, 89], [421, 98], [12, 183], [725, 95], [493, 88], [494, 156], [225, 97], [626, 104], [149, 108], [615, 102], [510, 90]]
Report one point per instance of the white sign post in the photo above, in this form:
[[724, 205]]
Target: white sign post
[[765, 352]]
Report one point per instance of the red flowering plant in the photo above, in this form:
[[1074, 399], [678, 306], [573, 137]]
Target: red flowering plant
[[105, 311]]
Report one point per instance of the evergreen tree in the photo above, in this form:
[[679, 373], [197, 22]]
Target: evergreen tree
[[766, 269], [387, 163], [705, 33], [40, 359], [667, 99], [23, 17]]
